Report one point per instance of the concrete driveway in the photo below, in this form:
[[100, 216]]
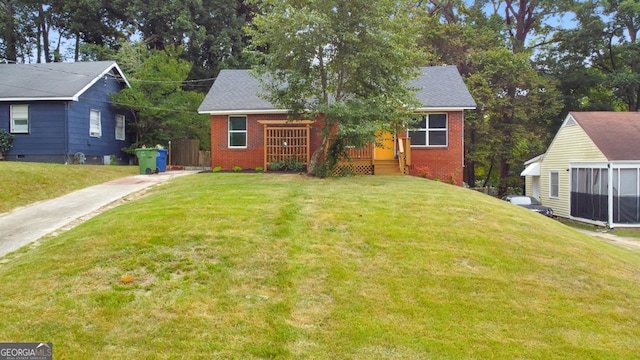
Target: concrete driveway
[[625, 242], [27, 224]]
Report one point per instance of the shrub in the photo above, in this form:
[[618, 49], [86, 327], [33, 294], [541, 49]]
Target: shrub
[[237, 169], [217, 169], [425, 172], [259, 169], [6, 141], [277, 165], [294, 165]]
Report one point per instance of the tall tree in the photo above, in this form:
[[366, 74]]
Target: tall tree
[[162, 110], [599, 60], [506, 127], [346, 63], [8, 34]]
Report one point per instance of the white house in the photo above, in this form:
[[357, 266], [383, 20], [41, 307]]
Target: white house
[[591, 170]]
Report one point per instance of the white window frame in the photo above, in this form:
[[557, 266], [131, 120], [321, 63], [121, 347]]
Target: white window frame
[[557, 185], [22, 128], [95, 124], [120, 127], [230, 132], [427, 130]]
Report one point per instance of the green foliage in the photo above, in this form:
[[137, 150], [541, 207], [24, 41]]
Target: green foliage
[[277, 165], [347, 63], [259, 169], [217, 169], [597, 60], [237, 169], [6, 141], [162, 109], [294, 165], [290, 164]]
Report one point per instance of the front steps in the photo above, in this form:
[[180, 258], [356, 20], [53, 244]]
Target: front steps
[[390, 167]]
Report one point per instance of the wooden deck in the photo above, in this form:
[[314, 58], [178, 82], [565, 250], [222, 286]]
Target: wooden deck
[[363, 162]]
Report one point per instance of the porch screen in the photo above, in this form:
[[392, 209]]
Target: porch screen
[[589, 193], [626, 196]]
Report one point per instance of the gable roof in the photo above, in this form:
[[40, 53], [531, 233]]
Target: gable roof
[[53, 81], [616, 134], [442, 88], [238, 92]]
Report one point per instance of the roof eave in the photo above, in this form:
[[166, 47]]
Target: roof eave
[[103, 73], [41, 98], [243, 112], [452, 108]]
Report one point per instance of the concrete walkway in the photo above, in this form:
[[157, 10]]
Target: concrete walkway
[[626, 242], [27, 224]]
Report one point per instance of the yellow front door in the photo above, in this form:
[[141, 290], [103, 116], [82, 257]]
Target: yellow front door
[[386, 146]]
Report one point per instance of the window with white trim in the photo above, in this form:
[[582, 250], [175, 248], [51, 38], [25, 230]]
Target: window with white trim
[[120, 133], [237, 131], [554, 184], [432, 130], [19, 119], [95, 124]]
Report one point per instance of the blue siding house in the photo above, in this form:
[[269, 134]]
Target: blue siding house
[[62, 112]]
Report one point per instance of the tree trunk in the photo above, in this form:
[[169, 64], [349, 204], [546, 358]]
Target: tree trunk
[[45, 35], [315, 157], [10, 36], [504, 175], [486, 180], [76, 51], [470, 173], [470, 165]]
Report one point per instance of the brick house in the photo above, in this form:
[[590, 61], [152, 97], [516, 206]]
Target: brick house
[[249, 132]]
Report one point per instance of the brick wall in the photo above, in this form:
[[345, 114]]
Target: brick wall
[[253, 156], [444, 163]]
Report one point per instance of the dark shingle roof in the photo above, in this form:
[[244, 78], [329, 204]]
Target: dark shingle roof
[[235, 90], [616, 134], [442, 87], [439, 87], [60, 81]]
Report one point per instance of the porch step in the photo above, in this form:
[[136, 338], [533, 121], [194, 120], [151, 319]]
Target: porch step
[[386, 167]]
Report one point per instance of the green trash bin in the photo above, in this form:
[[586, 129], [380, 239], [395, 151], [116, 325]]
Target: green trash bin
[[147, 160]]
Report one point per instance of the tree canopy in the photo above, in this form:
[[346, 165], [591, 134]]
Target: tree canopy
[[347, 63], [162, 110]]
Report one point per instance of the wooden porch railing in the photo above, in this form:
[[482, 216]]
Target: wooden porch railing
[[357, 160], [361, 160], [404, 155]]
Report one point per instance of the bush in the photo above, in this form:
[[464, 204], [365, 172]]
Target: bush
[[277, 165], [237, 169], [6, 141], [217, 169], [294, 165], [259, 169], [425, 172]]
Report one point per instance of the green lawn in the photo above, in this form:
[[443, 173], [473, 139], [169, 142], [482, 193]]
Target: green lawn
[[25, 183], [252, 266]]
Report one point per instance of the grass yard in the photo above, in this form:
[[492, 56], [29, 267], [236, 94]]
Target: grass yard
[[25, 183], [253, 266]]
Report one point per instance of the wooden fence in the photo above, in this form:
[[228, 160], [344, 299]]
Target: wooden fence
[[186, 152]]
